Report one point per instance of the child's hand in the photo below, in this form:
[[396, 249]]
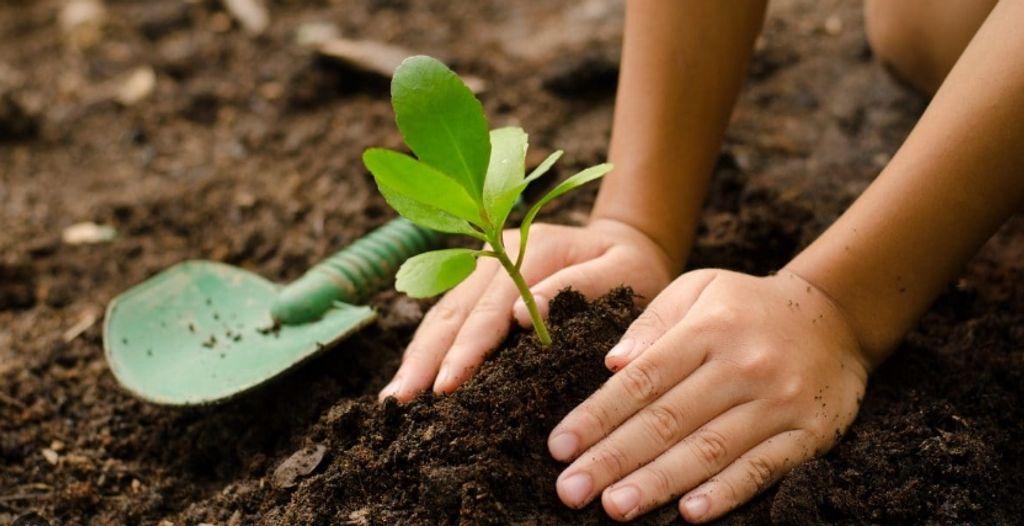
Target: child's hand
[[474, 317], [724, 384]]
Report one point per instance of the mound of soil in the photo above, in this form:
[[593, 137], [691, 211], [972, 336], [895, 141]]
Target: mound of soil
[[477, 456]]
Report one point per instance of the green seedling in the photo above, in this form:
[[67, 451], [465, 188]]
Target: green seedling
[[464, 179]]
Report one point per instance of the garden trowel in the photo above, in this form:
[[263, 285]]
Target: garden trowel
[[201, 332]]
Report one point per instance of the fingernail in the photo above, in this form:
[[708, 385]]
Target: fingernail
[[444, 376], [625, 500], [519, 312], [563, 446], [621, 349], [695, 507], [575, 489], [542, 303], [389, 390]]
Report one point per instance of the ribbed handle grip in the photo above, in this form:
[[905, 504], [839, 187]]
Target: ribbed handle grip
[[354, 273]]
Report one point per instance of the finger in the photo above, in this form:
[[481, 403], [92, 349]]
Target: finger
[[650, 432], [436, 334], [484, 328], [696, 458], [591, 278], [664, 311], [629, 390], [749, 475]]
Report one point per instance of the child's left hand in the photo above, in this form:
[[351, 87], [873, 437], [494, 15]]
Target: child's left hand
[[724, 384]]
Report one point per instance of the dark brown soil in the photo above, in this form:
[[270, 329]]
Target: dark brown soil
[[477, 456], [248, 151]]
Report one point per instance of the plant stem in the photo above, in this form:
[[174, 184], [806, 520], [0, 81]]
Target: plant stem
[[524, 291]]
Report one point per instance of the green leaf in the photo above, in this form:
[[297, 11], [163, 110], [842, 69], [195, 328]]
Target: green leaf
[[510, 196], [504, 173], [432, 273], [442, 121], [580, 179], [398, 174], [427, 216], [543, 167]]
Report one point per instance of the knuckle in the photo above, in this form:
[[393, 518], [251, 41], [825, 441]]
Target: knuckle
[[709, 447], [662, 480], [731, 494], [444, 312], [611, 460], [724, 315], [583, 275], [489, 306], [718, 318], [538, 227], [578, 251], [663, 421], [639, 379], [792, 389], [415, 356], [591, 418], [649, 322], [757, 363], [760, 473], [820, 429]]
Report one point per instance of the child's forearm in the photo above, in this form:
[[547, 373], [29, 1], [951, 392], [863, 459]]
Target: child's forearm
[[682, 66], [958, 176]]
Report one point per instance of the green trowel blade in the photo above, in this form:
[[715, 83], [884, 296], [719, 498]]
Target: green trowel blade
[[201, 332]]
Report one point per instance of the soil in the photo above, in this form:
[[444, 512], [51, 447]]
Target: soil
[[247, 152]]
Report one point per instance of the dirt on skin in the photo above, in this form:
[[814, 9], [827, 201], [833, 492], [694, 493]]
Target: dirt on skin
[[247, 152]]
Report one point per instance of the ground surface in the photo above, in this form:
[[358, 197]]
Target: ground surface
[[247, 152]]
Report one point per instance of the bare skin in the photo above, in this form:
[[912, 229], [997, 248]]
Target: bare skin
[[727, 381], [921, 39]]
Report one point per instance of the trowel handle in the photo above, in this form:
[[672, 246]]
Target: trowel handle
[[353, 273]]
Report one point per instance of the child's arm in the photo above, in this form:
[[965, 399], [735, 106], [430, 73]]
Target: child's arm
[[728, 381], [682, 67], [683, 63], [958, 176]]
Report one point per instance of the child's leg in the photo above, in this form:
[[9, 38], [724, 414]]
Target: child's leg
[[922, 39]]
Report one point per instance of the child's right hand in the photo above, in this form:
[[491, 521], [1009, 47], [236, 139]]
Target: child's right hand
[[474, 317]]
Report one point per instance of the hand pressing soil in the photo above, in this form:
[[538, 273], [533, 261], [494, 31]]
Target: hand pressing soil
[[477, 456]]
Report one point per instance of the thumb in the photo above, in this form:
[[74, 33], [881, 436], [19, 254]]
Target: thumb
[[664, 312]]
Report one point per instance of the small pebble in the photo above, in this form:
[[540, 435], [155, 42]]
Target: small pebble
[[137, 86], [51, 456], [251, 14], [82, 22], [88, 233], [313, 34], [833, 25]]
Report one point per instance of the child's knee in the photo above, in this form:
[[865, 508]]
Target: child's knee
[[883, 29], [920, 40], [894, 38]]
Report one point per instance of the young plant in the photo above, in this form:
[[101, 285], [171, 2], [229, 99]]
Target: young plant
[[465, 180]]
